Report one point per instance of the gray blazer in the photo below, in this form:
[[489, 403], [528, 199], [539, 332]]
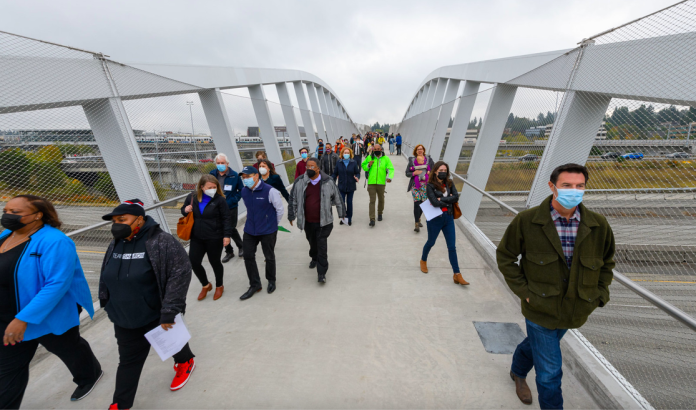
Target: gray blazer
[[329, 196]]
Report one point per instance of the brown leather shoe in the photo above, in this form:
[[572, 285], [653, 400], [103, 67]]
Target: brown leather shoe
[[522, 389], [204, 292], [459, 280], [424, 266], [218, 292], [417, 229]]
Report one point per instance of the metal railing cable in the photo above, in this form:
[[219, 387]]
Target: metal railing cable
[[151, 207]]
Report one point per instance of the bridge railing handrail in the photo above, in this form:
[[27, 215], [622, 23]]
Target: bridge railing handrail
[[655, 300], [150, 207]]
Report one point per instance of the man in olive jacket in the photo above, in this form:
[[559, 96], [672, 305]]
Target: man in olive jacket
[[567, 258]]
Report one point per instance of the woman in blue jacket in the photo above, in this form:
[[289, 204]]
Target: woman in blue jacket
[[41, 286], [347, 174]]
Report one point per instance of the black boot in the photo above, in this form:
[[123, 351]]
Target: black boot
[[228, 256], [249, 293]]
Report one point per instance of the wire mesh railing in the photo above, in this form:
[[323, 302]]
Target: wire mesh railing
[[642, 175]]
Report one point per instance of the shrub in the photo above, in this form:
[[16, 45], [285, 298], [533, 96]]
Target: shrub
[[14, 168], [106, 186]]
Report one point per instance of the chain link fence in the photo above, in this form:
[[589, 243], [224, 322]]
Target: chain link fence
[[642, 179]]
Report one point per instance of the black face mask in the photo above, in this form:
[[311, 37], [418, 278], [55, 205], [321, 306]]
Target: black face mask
[[311, 173], [121, 231], [442, 176], [378, 153], [13, 222]]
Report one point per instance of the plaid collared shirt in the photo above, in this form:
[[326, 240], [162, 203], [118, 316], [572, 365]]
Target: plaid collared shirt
[[567, 230]]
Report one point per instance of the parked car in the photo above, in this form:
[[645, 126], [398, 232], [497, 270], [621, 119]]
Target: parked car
[[184, 161], [676, 155], [205, 160], [528, 157], [611, 155], [632, 155]]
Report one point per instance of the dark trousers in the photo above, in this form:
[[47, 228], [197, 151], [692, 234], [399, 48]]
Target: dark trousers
[[541, 349], [70, 348], [417, 211], [398, 149], [133, 349], [444, 223], [251, 242], [358, 160], [234, 217], [347, 198], [197, 249], [318, 246]]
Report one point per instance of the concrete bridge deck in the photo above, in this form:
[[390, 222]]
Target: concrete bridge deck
[[378, 334]]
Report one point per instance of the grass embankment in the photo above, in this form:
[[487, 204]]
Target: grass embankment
[[510, 176]]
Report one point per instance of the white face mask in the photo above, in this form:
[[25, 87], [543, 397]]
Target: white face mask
[[210, 192], [263, 171]]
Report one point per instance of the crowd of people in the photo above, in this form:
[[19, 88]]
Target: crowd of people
[[146, 272]]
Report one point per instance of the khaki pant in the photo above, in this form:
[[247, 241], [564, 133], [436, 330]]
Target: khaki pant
[[376, 192]]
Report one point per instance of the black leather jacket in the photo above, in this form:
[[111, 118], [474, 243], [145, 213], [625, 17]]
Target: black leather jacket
[[437, 198]]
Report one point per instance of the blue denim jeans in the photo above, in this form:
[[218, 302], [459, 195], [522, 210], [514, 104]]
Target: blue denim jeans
[[347, 198], [444, 223], [541, 349]]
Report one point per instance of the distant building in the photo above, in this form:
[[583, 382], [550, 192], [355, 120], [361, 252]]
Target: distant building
[[471, 135], [601, 131], [253, 132], [59, 135], [535, 131]]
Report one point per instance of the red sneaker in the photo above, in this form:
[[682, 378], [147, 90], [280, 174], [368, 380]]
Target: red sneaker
[[115, 407], [183, 373]]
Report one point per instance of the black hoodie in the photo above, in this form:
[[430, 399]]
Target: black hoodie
[[134, 299]]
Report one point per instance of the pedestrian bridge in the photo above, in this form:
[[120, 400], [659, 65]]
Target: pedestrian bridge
[[378, 334]]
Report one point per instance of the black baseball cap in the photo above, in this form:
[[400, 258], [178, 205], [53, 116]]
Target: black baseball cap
[[129, 207]]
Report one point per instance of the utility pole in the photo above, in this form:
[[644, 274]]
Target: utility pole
[[159, 167], [193, 134]]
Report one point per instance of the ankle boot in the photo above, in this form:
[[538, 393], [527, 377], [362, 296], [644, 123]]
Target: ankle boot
[[218, 292], [417, 229], [459, 280], [419, 223], [424, 266], [204, 292]]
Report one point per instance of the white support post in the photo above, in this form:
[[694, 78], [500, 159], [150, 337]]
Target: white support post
[[113, 133], [571, 138], [328, 124], [220, 127], [486, 147], [290, 120], [268, 135], [306, 117], [443, 122], [314, 101], [461, 123], [337, 116], [421, 118], [434, 113], [332, 116]]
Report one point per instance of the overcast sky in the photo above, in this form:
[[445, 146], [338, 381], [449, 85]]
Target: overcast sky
[[372, 53]]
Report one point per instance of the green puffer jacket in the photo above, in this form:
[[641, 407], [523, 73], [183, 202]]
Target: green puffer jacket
[[379, 170], [559, 298]]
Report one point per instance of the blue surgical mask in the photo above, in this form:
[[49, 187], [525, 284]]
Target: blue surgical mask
[[303, 155], [248, 182], [569, 198], [346, 156], [221, 167]]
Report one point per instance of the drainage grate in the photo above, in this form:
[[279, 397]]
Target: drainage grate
[[499, 337]]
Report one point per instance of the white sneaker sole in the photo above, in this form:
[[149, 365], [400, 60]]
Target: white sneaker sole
[[185, 381], [90, 390]]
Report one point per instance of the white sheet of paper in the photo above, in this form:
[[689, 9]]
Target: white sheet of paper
[[430, 211], [167, 343]]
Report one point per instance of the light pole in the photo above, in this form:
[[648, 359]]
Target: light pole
[[159, 167], [193, 134]]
